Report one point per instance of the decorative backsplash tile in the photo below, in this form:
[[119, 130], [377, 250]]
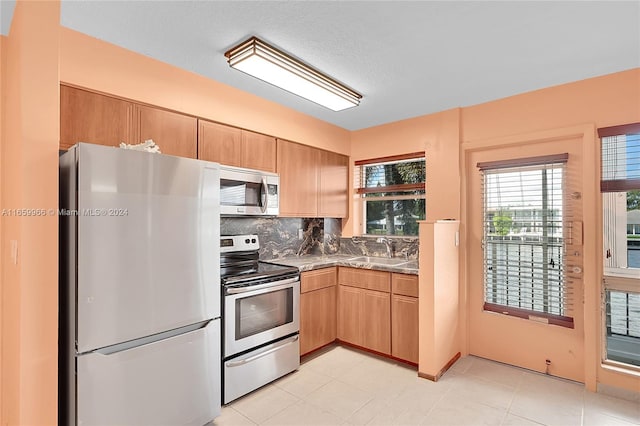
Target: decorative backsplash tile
[[403, 247], [280, 237]]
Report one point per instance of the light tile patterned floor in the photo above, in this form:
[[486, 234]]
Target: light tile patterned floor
[[342, 386]]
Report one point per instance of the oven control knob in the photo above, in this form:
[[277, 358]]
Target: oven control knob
[[247, 241], [253, 240]]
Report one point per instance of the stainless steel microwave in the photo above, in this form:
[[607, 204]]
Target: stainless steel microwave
[[247, 192]]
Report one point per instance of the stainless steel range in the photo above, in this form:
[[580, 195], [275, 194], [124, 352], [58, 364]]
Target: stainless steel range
[[261, 319]]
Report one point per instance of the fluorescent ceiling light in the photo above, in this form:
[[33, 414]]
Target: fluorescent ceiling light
[[265, 62]]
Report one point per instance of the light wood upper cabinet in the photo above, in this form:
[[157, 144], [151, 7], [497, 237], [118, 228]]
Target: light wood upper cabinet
[[105, 120], [333, 185], [317, 309], [175, 134], [219, 143], [236, 147], [313, 182], [93, 118], [258, 151], [297, 166]]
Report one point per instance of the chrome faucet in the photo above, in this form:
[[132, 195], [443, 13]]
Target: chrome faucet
[[390, 244]]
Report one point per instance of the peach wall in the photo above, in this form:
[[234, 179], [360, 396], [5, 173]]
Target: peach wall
[[604, 101], [439, 332], [435, 134], [584, 105], [30, 181], [101, 66], [2, 65]]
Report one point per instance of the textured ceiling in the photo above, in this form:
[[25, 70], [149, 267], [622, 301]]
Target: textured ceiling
[[406, 58]]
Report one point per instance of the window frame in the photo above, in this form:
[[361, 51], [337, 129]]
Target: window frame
[[361, 190], [566, 288], [616, 278]]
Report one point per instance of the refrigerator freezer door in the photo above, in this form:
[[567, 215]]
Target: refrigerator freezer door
[[148, 244], [170, 382]]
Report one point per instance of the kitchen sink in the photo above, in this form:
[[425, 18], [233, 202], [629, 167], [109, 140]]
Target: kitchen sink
[[378, 260]]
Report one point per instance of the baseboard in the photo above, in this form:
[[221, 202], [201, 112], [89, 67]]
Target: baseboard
[[442, 370]]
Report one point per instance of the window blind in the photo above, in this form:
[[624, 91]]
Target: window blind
[[524, 237], [620, 165], [397, 174]]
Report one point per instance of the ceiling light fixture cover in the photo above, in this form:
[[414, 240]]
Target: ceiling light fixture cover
[[267, 63]]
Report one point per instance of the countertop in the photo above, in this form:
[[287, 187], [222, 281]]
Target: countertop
[[311, 262]]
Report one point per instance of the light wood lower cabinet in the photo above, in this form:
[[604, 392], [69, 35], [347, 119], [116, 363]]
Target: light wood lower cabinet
[[375, 321], [364, 315], [317, 309], [404, 332], [404, 317], [379, 311], [349, 314]]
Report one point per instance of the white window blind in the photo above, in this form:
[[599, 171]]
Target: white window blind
[[524, 238]]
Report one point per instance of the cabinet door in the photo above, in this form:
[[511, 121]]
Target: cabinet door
[[349, 314], [175, 134], [375, 321], [93, 118], [334, 185], [219, 143], [404, 320], [258, 151], [317, 319], [298, 165]]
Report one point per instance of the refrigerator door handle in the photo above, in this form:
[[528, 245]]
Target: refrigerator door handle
[[247, 360], [120, 347]]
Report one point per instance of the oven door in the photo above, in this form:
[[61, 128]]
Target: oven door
[[256, 315]]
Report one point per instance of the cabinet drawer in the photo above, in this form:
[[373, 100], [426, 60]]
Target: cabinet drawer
[[365, 278], [404, 284], [315, 280]]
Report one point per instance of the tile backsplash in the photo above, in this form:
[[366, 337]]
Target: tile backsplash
[[404, 247], [285, 237], [280, 237]]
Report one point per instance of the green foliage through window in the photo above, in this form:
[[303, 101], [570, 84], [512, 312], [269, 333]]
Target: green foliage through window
[[394, 196]]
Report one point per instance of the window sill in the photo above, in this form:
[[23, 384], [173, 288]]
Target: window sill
[[621, 368]]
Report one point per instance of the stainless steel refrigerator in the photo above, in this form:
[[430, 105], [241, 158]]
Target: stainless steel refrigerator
[[139, 288]]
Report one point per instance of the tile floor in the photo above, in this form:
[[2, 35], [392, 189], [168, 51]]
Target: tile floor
[[342, 386]]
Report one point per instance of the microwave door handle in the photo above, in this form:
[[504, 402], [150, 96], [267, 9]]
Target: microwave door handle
[[264, 194]]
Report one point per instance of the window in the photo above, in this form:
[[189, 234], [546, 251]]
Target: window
[[524, 239], [620, 187], [392, 190]]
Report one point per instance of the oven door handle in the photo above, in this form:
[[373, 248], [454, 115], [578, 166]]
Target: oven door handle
[[247, 360], [276, 285]]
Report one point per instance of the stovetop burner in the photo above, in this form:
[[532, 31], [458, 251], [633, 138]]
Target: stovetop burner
[[259, 273], [240, 267]]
